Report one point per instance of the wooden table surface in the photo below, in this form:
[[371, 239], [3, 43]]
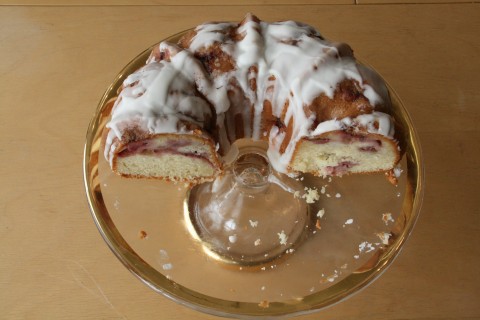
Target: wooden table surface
[[58, 58]]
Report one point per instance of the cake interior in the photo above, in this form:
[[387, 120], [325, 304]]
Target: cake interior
[[338, 153], [169, 156]]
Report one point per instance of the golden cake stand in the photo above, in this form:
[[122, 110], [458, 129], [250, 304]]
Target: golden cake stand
[[254, 243]]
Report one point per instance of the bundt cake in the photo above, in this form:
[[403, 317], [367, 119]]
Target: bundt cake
[[320, 111]]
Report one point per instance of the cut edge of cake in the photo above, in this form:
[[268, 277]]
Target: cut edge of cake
[[170, 157], [338, 153]]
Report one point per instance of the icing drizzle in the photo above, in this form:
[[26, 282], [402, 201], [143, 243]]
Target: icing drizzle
[[289, 56]]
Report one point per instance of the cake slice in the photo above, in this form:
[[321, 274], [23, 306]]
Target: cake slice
[[170, 157]]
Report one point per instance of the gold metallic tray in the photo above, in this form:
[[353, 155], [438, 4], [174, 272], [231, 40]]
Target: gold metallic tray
[[144, 224]]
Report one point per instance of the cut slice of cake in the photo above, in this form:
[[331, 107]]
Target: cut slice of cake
[[337, 153], [173, 157]]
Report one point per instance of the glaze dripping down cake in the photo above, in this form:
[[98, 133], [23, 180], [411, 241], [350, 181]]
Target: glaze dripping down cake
[[320, 111]]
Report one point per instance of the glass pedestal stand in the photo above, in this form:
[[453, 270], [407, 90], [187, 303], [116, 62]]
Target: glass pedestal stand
[[237, 217]]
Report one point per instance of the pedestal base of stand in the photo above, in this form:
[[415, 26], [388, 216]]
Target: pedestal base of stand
[[249, 216]]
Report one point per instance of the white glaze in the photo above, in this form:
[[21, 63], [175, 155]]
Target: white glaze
[[365, 121], [269, 48]]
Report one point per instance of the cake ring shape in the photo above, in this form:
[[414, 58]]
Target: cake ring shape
[[320, 111]]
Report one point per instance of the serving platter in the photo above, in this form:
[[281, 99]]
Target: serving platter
[[352, 230]]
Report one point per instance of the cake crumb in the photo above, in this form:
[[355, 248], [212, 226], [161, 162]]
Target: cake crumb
[[338, 195], [317, 225], [397, 171], [344, 266], [264, 304], [311, 196], [349, 221], [322, 190], [263, 288], [384, 236], [230, 225], [321, 213], [332, 277], [254, 224], [393, 175], [233, 238], [365, 246], [387, 217], [143, 234], [296, 194], [356, 256], [282, 237], [257, 242]]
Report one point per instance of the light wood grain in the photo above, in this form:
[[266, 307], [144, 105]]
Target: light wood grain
[[170, 2], [389, 2], [56, 63], [218, 2]]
